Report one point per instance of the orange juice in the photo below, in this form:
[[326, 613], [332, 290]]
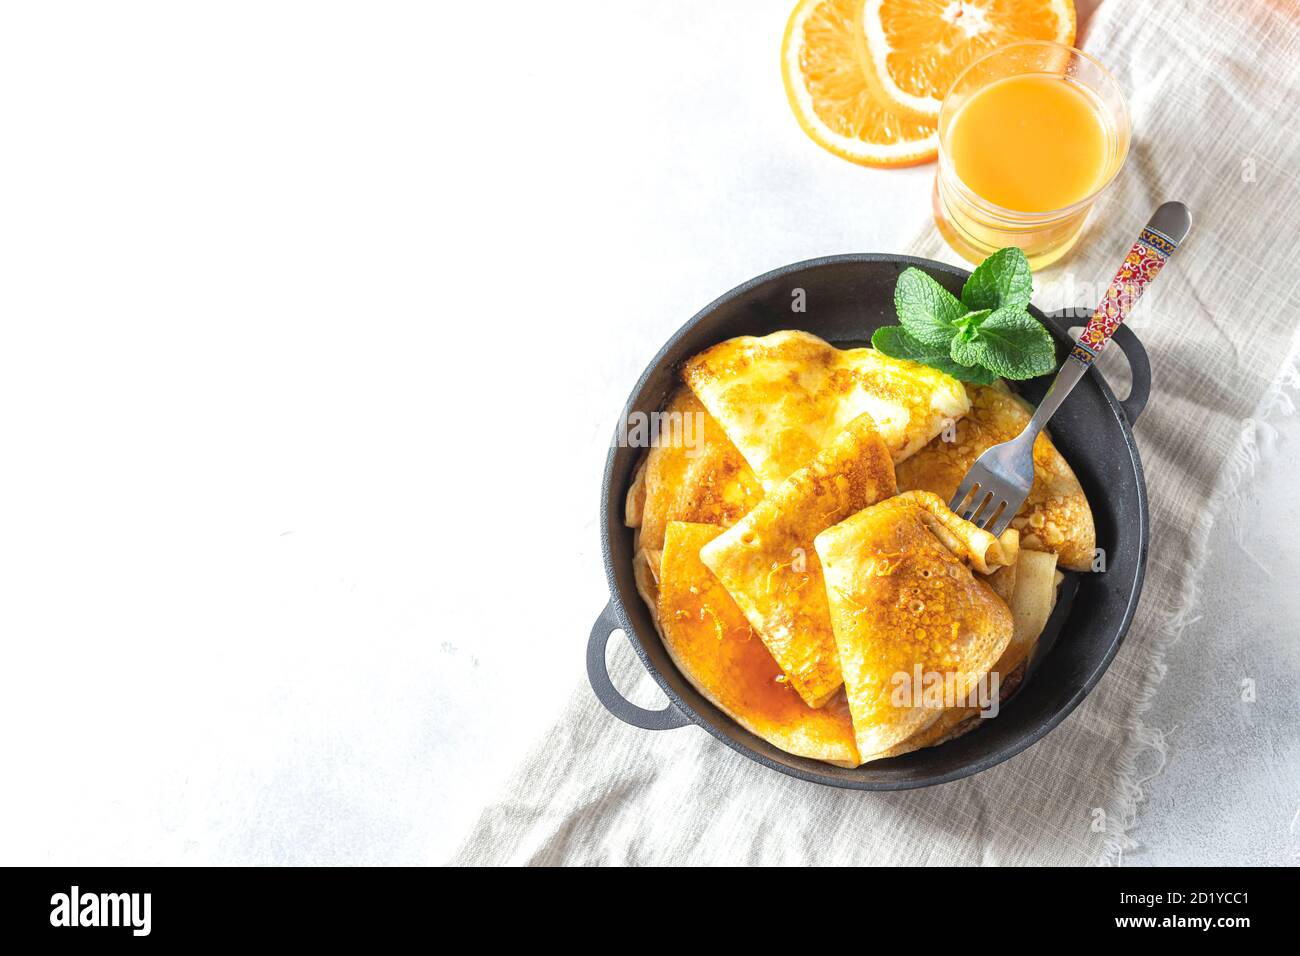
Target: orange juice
[[1033, 143], [1029, 136]]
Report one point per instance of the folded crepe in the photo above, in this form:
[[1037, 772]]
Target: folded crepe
[[781, 398], [903, 604], [703, 479], [1029, 587], [1032, 599], [718, 652], [1055, 516], [645, 574], [767, 562]]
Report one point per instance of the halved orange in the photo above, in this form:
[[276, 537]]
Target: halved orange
[[920, 46], [836, 92]]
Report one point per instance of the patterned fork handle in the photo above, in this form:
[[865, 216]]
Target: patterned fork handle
[[1160, 237]]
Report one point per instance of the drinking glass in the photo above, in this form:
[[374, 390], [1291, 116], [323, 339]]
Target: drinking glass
[[975, 226]]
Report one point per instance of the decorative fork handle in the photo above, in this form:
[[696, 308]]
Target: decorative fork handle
[[1156, 243]]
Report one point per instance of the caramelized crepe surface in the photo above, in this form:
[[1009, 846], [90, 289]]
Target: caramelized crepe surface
[[708, 483], [1029, 588], [901, 599], [768, 564], [713, 645], [1055, 517], [781, 398]]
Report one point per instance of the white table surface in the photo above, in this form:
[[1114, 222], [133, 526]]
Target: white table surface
[[324, 319], [1230, 789]]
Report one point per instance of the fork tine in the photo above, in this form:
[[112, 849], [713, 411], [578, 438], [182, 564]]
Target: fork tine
[[985, 500], [1002, 521], [963, 492]]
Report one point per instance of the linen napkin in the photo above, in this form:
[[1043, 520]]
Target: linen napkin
[[1213, 91]]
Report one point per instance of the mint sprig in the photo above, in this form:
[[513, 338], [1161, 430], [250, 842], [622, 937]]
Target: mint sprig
[[984, 335]]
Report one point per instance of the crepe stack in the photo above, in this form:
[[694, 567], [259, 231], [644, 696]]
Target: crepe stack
[[768, 565], [800, 557]]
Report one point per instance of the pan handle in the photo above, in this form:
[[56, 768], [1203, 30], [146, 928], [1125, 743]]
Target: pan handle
[[667, 719], [1138, 362]]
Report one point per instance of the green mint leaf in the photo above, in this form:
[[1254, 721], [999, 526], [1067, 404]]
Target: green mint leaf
[[962, 350], [926, 310], [1011, 343], [895, 342], [969, 322], [999, 281]]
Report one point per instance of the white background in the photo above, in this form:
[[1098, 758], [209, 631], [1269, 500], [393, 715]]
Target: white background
[[317, 318]]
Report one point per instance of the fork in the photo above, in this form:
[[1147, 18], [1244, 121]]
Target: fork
[[999, 481]]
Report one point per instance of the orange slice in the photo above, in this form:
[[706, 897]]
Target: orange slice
[[921, 46], [836, 92]]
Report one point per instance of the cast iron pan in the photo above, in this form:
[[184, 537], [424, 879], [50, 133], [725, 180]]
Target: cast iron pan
[[847, 298]]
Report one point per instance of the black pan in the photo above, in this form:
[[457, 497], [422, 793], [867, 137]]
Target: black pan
[[847, 298]]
